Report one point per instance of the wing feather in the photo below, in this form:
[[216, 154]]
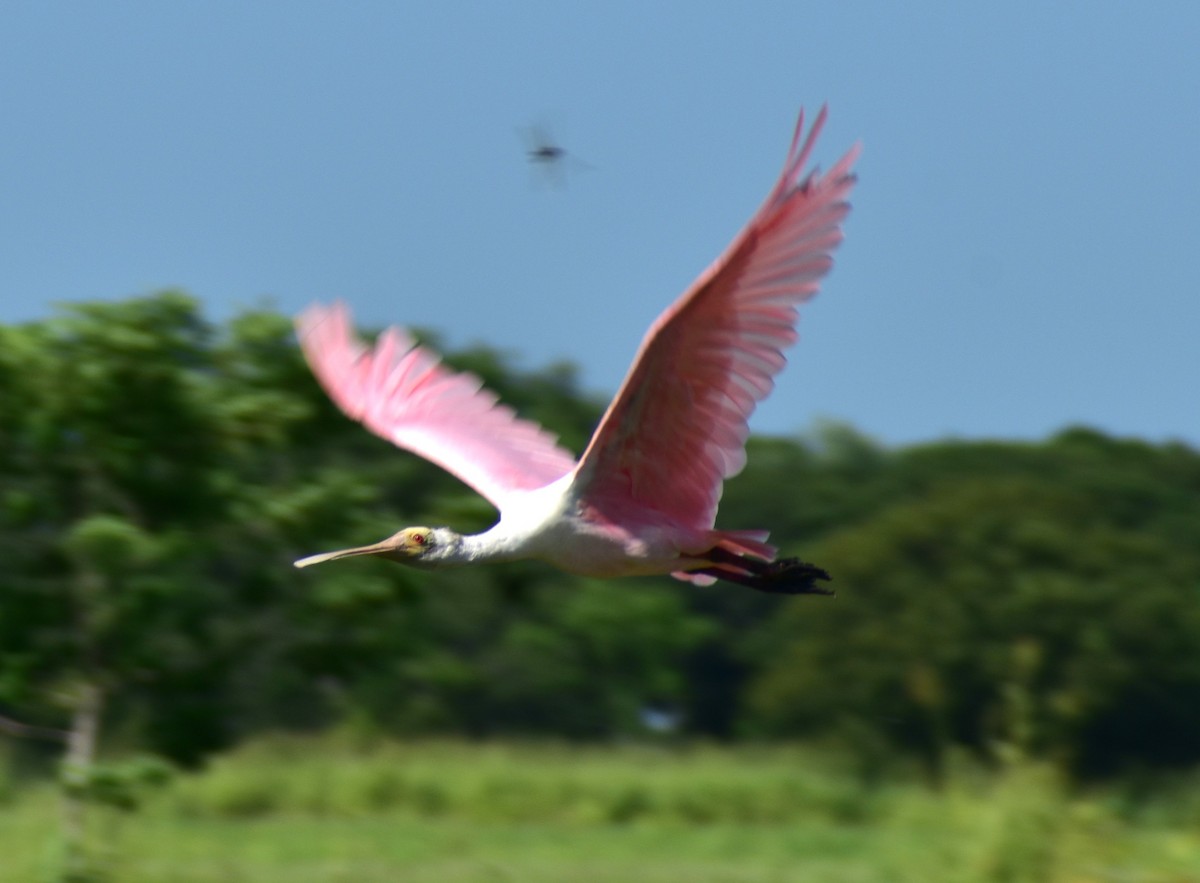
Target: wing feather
[[678, 426], [401, 392]]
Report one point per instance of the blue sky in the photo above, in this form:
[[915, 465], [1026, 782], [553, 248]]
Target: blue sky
[[1024, 251]]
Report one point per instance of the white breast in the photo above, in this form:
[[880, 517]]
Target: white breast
[[546, 524]]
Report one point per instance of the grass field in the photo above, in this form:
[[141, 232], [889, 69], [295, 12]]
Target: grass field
[[307, 811]]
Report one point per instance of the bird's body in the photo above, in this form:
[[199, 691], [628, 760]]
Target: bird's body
[[643, 497], [554, 525]]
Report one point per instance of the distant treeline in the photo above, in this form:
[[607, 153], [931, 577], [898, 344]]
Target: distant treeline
[[159, 473]]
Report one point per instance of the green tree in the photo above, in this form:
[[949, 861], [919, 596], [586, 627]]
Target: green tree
[[125, 458], [158, 474], [1003, 610]]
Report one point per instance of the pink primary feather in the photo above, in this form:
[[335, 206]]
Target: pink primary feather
[[678, 426], [401, 393]]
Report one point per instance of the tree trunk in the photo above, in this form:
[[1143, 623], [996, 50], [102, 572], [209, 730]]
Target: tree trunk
[[77, 772]]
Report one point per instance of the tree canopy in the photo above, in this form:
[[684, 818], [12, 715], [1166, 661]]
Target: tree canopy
[[159, 473]]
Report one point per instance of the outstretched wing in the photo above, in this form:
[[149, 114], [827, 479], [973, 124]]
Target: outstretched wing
[[399, 391], [678, 426]]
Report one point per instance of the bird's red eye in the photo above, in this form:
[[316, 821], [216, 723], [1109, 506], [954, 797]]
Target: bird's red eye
[[419, 539]]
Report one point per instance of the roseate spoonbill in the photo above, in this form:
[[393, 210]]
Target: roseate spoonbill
[[643, 497]]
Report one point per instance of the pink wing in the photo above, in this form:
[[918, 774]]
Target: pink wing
[[678, 425], [400, 392]]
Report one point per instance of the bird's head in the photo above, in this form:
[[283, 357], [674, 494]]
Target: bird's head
[[418, 546]]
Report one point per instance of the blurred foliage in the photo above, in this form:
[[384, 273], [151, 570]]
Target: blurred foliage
[[1040, 598], [159, 473], [123, 785], [340, 807]]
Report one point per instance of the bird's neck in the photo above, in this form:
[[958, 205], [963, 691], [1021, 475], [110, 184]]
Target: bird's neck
[[522, 531], [480, 548]]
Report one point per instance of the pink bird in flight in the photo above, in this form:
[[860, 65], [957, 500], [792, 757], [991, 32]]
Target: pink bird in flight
[[643, 497]]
